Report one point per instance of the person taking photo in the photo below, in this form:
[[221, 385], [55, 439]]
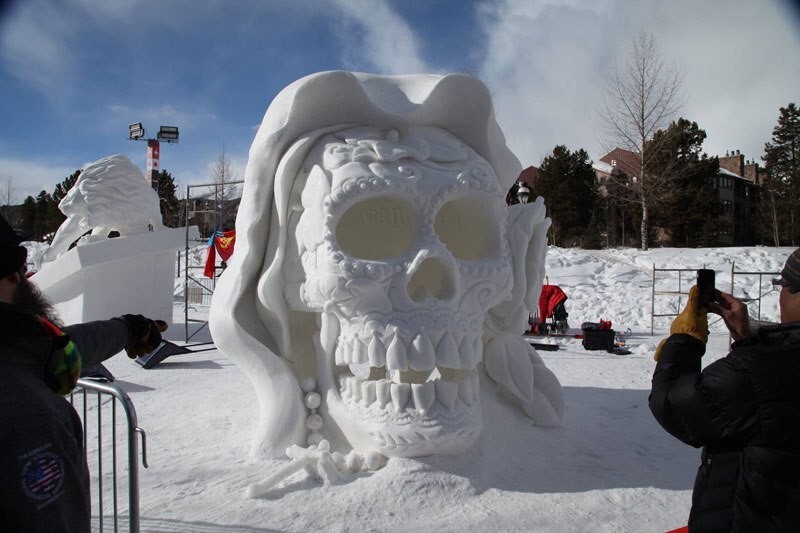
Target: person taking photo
[[742, 409]]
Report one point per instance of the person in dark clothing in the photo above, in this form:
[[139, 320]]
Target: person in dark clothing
[[743, 409], [44, 478]]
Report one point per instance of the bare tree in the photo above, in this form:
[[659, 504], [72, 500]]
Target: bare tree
[[225, 189], [8, 197], [642, 98]]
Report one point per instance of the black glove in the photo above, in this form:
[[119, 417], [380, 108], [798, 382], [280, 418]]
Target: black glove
[[145, 335]]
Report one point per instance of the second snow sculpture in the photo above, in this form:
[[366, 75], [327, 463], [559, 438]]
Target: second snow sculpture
[[110, 194], [377, 260]]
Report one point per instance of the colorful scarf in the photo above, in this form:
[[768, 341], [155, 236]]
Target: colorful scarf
[[65, 367]]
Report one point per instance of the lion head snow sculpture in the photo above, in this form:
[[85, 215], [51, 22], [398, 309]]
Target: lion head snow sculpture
[[110, 194], [376, 255]]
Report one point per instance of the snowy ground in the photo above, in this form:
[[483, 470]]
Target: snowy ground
[[609, 468]]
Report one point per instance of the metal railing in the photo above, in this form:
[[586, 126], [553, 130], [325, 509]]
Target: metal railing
[[686, 278], [114, 395]]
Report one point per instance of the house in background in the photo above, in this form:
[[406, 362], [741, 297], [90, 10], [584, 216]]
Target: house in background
[[736, 184]]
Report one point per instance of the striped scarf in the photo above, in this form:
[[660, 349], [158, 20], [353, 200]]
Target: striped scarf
[[65, 368]]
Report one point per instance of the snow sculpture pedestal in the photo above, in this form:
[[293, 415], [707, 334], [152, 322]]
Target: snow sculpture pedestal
[[100, 280]]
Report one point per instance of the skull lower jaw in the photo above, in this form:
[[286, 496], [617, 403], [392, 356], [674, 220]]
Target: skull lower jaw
[[407, 433], [442, 416]]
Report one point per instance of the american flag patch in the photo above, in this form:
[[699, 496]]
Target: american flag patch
[[43, 476]]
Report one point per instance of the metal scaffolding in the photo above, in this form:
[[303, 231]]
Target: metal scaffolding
[[190, 280]]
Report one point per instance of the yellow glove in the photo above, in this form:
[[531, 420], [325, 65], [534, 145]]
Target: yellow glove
[[691, 321]]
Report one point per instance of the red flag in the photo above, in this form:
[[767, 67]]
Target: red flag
[[210, 260], [224, 242]]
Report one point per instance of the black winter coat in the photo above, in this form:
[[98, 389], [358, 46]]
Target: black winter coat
[[44, 480], [744, 410]]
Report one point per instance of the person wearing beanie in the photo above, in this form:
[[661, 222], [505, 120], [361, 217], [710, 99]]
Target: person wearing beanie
[[742, 409], [44, 478]]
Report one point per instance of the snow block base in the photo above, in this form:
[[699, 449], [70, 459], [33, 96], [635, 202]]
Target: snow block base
[[100, 280]]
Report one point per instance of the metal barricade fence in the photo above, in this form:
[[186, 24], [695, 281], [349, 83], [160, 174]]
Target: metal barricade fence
[[749, 287], [99, 438]]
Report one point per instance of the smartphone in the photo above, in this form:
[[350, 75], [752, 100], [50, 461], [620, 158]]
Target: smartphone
[[705, 287]]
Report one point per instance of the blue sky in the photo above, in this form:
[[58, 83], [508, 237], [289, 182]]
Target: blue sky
[[74, 74]]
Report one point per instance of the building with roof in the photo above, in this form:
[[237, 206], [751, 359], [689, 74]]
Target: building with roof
[[737, 184]]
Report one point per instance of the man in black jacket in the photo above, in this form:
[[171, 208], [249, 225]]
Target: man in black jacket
[[743, 409], [44, 479]]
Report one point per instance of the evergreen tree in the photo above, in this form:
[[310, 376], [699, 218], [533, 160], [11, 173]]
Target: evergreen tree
[[63, 188], [782, 185], [55, 217], [44, 215], [688, 213], [566, 182], [29, 213], [168, 201]]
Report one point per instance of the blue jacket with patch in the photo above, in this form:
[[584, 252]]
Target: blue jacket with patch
[[44, 480]]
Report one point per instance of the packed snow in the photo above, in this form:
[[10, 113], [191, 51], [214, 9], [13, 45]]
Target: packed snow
[[610, 467]]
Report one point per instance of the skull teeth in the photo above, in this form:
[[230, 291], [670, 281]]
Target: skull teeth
[[399, 393], [422, 356], [383, 394], [396, 355], [376, 352], [422, 352], [424, 396], [448, 352]]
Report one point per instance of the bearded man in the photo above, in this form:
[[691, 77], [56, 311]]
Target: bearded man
[[44, 478]]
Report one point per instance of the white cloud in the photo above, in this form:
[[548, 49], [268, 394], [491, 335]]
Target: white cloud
[[31, 177], [547, 63], [375, 37], [163, 115]]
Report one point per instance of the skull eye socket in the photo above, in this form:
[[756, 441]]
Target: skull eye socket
[[468, 227], [378, 228]]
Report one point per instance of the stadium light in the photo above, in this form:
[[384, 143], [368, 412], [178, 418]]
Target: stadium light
[[168, 134], [136, 131]]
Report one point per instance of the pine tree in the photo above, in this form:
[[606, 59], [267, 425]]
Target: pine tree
[[44, 215], [54, 216], [169, 203], [63, 188], [29, 214], [566, 182], [782, 186], [686, 212]]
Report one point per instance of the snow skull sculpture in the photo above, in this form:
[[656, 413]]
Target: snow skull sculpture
[[376, 255]]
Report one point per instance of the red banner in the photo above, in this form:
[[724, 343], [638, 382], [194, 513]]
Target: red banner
[[221, 242], [224, 243]]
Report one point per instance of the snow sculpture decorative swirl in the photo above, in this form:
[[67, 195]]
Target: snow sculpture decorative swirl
[[376, 257], [110, 194]]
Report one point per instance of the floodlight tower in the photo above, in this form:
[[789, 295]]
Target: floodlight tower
[[169, 134]]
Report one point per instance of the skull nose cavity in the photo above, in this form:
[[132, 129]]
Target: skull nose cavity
[[432, 279]]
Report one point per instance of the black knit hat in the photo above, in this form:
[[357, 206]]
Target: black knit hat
[[12, 255], [790, 275]]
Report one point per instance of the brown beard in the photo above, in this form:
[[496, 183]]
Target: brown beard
[[28, 296]]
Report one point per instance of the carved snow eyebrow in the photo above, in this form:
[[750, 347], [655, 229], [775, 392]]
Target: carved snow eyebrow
[[390, 146]]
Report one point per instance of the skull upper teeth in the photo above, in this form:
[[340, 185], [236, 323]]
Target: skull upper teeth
[[421, 375], [403, 354]]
